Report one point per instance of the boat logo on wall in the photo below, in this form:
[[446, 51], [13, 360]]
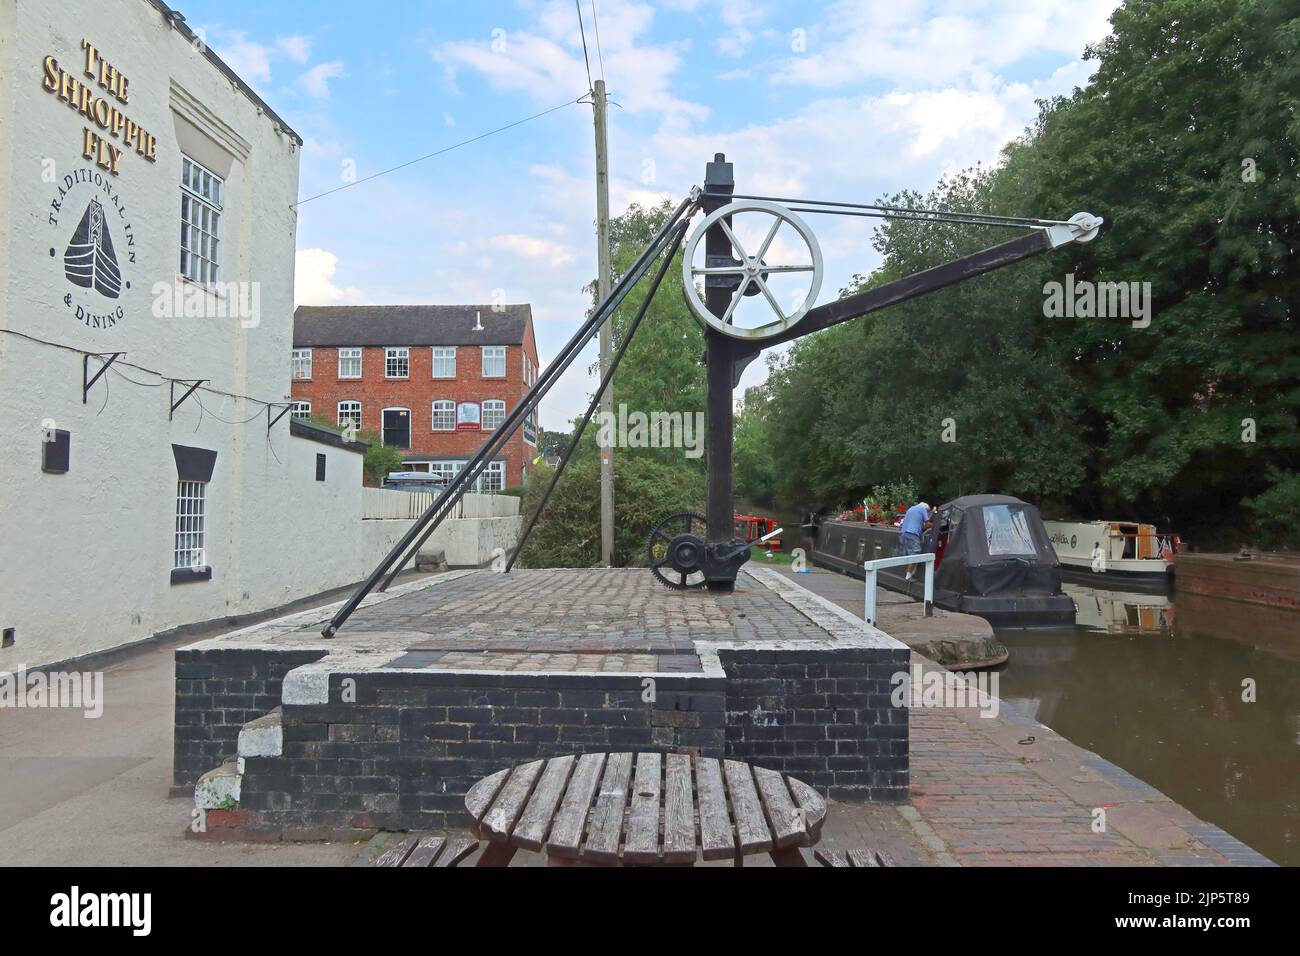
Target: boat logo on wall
[[95, 250], [89, 260]]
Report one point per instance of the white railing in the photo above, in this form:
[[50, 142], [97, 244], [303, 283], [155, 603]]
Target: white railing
[[871, 567], [383, 503], [387, 503]]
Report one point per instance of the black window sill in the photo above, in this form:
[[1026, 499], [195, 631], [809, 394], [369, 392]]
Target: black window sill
[[188, 575]]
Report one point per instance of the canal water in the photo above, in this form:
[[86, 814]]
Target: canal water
[[1162, 686]]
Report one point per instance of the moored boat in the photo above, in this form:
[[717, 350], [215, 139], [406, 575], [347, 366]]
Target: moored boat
[[992, 559], [1126, 551]]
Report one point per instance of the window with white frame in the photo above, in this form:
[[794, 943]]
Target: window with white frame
[[190, 513], [494, 413], [444, 416], [200, 222], [493, 478], [349, 414], [494, 361], [349, 363], [397, 363], [300, 410], [444, 361], [301, 364], [529, 370]]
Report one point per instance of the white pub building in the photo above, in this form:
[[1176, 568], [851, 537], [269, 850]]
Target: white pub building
[[150, 476]]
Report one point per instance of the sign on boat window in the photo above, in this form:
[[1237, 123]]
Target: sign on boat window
[[1006, 531]]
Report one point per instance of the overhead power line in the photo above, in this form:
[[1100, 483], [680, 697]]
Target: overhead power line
[[582, 30], [600, 56], [439, 152]]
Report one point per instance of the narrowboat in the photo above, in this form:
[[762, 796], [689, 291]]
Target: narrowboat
[[992, 559], [1115, 551]]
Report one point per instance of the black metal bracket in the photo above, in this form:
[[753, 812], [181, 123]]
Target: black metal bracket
[[270, 422], [193, 386], [85, 370]]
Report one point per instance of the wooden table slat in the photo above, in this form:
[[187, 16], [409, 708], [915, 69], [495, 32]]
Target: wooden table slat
[[862, 858], [509, 804], [812, 804], [717, 839], [785, 818], [426, 851], [531, 830], [567, 829], [641, 841], [605, 822], [752, 834], [480, 796], [456, 851], [397, 855], [679, 811]]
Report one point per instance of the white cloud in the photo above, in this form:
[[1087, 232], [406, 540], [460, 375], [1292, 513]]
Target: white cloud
[[532, 247], [935, 42], [316, 80], [546, 61], [313, 280], [295, 47]]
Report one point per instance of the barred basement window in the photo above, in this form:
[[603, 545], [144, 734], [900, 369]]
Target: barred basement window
[[494, 413], [397, 363], [200, 223], [189, 551], [349, 363], [444, 416], [494, 361], [444, 362], [349, 414], [301, 364], [300, 410]]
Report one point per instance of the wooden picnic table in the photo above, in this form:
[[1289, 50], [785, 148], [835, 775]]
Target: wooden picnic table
[[648, 809]]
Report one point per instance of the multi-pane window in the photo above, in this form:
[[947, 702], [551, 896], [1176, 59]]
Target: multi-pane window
[[494, 413], [494, 361], [444, 362], [493, 477], [349, 414], [200, 223], [349, 363], [189, 551], [300, 410], [444, 416], [301, 363], [397, 363]]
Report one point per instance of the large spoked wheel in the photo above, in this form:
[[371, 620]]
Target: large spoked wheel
[[675, 550], [752, 274]]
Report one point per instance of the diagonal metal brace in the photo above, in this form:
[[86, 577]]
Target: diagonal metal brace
[[193, 386], [85, 370], [270, 422]]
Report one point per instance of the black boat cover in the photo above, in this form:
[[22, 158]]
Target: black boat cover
[[996, 546]]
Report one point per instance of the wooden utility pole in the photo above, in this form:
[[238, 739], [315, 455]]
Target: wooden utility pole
[[606, 330]]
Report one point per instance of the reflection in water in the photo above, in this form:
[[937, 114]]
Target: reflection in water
[[1161, 696]]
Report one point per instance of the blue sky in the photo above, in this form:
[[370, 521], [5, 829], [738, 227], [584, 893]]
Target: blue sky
[[851, 99]]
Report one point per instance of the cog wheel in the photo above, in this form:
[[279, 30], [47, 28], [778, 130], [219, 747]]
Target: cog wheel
[[675, 550]]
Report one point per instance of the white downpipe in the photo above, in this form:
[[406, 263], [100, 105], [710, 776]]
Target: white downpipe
[[871, 567]]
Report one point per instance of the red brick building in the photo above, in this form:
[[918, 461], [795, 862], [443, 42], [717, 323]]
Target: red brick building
[[432, 380]]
